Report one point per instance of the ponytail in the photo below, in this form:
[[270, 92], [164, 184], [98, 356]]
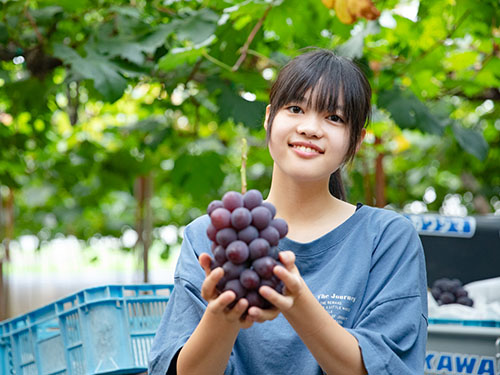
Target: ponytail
[[335, 185]]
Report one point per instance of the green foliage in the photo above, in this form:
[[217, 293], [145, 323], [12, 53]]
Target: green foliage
[[96, 94]]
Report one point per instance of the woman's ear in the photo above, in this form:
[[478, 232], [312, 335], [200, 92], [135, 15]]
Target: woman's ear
[[268, 109], [363, 134]]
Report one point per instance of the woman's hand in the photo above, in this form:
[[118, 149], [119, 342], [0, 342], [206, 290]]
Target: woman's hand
[[294, 287], [219, 303]]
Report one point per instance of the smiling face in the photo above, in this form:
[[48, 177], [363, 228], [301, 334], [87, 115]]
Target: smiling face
[[319, 106], [306, 144]]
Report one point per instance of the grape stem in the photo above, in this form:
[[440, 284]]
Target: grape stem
[[243, 170]]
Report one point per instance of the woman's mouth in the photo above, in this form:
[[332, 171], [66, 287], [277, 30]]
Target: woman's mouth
[[306, 149]]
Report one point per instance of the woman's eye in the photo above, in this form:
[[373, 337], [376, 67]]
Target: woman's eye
[[335, 118], [295, 109]]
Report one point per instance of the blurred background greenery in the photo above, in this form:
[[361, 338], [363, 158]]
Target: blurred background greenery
[[121, 120]]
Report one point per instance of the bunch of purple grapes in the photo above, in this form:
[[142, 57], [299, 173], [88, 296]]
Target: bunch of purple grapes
[[245, 236], [446, 291]]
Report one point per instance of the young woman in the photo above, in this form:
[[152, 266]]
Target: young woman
[[355, 299]]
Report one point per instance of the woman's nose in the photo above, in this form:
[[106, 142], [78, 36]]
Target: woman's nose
[[310, 126]]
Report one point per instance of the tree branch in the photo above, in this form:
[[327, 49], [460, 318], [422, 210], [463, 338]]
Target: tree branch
[[195, 69], [215, 61], [33, 24], [262, 56], [168, 11], [244, 49]]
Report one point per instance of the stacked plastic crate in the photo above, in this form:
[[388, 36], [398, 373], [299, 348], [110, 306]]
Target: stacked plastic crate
[[99, 330]]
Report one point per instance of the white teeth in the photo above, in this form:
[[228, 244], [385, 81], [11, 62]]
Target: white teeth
[[306, 149]]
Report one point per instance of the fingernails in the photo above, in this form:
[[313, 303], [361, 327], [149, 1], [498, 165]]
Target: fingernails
[[264, 291]]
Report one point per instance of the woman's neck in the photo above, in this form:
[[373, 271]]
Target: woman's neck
[[308, 207], [300, 201]]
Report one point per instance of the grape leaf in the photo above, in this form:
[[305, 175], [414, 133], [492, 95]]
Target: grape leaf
[[471, 141], [177, 57], [96, 67], [409, 112], [69, 5], [198, 27], [46, 15], [133, 47], [206, 177], [4, 34], [353, 48], [232, 105]]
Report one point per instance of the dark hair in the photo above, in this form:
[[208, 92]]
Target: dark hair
[[330, 78]]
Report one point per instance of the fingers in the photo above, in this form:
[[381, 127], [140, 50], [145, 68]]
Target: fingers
[[219, 304], [292, 280], [223, 305], [208, 290], [282, 302], [288, 259], [205, 262], [259, 315]]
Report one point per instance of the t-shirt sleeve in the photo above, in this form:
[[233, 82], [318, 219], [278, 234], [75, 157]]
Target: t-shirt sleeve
[[391, 328], [185, 306]]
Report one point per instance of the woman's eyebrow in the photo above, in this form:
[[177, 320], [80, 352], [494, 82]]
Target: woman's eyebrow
[[339, 108]]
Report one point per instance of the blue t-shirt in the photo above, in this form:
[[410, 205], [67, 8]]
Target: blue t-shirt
[[368, 273]]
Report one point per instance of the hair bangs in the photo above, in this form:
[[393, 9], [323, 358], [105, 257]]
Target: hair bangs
[[317, 84]]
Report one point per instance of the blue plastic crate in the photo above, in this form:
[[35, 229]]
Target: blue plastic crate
[[101, 330], [466, 322]]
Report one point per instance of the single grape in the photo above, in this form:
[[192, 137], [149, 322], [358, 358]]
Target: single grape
[[221, 284], [214, 264], [271, 282], [270, 234], [465, 301], [281, 226], [255, 299], [279, 287], [232, 271], [270, 207], [442, 284], [237, 252], [213, 205], [436, 293], [454, 285], [252, 199], [274, 252], [236, 287], [447, 297], [250, 279], [221, 218], [261, 217], [232, 200], [461, 292], [225, 236], [264, 266], [211, 232], [220, 254], [258, 248], [241, 218], [248, 234]]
